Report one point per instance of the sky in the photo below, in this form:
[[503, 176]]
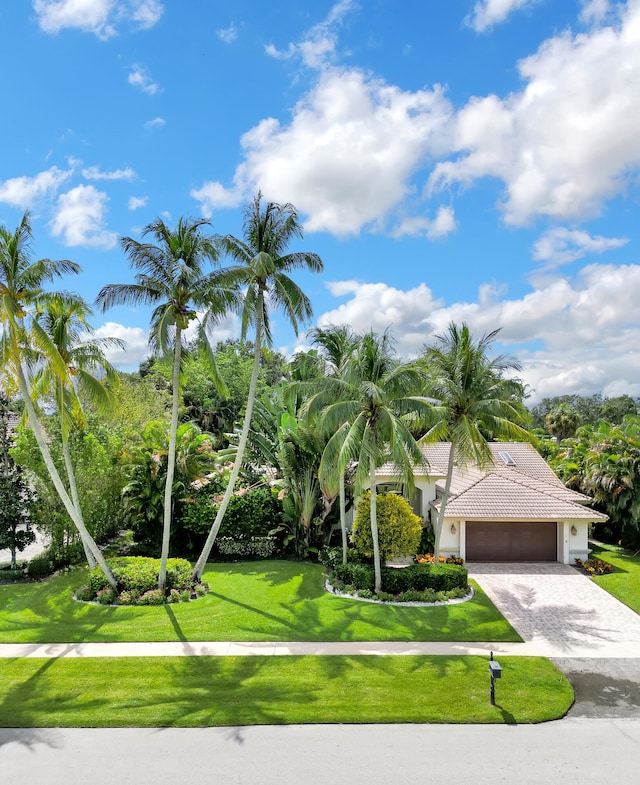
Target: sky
[[468, 160]]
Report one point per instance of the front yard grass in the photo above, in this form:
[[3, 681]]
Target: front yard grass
[[624, 582], [249, 601], [214, 691]]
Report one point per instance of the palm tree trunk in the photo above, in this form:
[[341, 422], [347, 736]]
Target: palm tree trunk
[[57, 481], [244, 435], [74, 495], [343, 519], [171, 460], [443, 505], [374, 529]]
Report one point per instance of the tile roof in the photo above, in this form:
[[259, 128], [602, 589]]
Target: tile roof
[[526, 488]]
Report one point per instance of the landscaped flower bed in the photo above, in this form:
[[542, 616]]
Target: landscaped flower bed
[[137, 578], [594, 566]]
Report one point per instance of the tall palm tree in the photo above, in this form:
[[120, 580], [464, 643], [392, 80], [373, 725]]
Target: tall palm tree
[[261, 268], [23, 338], [64, 318], [170, 275], [374, 402], [475, 402]]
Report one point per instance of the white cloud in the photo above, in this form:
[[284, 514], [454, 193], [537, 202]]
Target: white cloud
[[214, 194], [80, 218], [443, 224], [563, 246], [568, 141], [96, 16], [228, 34], [347, 156], [487, 13], [136, 344], [140, 77], [585, 330], [135, 202], [595, 10], [317, 48], [23, 191], [157, 122], [95, 173]]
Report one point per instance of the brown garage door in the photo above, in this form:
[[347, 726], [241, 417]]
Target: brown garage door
[[516, 541]]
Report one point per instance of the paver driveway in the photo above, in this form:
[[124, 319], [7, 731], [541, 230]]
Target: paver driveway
[[555, 604]]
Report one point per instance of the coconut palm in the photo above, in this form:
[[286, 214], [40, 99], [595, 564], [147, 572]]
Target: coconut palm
[[65, 320], [23, 339], [475, 402], [170, 275], [261, 269], [373, 404]]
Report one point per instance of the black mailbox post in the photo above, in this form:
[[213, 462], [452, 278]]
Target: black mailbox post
[[495, 671]]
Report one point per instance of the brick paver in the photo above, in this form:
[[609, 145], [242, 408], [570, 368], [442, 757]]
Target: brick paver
[[555, 603]]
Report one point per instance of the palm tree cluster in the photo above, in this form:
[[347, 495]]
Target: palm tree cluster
[[349, 406]]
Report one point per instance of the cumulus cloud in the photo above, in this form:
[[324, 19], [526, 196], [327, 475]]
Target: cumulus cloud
[[136, 344], [157, 122], [443, 224], [99, 17], [318, 46], [228, 34], [80, 218], [140, 77], [95, 173], [487, 13], [136, 202], [595, 10], [563, 246], [584, 329], [567, 141], [24, 191], [347, 156]]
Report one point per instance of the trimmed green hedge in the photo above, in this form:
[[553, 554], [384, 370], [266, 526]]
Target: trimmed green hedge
[[416, 577]]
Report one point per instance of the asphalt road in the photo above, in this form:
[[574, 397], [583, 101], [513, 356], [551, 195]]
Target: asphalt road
[[568, 751]]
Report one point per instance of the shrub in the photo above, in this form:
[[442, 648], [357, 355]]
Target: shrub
[[330, 556], [423, 579], [40, 566], [428, 558], [361, 576], [84, 594], [10, 576], [151, 597], [399, 529], [106, 596], [594, 566], [251, 547]]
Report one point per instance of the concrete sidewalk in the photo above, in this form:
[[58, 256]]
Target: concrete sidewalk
[[352, 648]]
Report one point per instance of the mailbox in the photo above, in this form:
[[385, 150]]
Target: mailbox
[[495, 669]]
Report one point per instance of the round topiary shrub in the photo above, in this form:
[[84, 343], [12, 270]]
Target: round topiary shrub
[[137, 579], [399, 529]]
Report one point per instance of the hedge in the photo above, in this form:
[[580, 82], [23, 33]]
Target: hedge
[[416, 577]]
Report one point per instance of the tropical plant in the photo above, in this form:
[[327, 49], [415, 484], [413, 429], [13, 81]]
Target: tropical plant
[[23, 339], [562, 422], [170, 275], [261, 269], [369, 410], [65, 320], [399, 529], [475, 402]]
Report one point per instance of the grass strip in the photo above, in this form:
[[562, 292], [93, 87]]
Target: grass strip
[[210, 691], [249, 601], [624, 582]]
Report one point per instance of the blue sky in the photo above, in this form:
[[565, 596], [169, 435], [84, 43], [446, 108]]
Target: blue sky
[[470, 160]]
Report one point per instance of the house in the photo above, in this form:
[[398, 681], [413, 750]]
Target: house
[[515, 510]]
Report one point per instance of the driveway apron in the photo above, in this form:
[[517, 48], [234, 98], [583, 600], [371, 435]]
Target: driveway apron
[[555, 604]]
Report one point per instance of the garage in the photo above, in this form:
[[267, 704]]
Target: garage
[[506, 541]]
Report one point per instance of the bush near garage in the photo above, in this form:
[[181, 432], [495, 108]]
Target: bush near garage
[[399, 529]]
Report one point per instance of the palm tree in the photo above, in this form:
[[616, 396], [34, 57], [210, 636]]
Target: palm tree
[[65, 321], [562, 422], [475, 402], [337, 346], [261, 268], [170, 275], [20, 289], [373, 404]]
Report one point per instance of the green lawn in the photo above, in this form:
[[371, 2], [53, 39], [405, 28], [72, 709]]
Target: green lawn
[[210, 691], [249, 601], [624, 583]]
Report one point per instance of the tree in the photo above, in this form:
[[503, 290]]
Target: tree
[[475, 402], [170, 275], [368, 410], [16, 497], [261, 269], [21, 282], [65, 321], [562, 421]]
